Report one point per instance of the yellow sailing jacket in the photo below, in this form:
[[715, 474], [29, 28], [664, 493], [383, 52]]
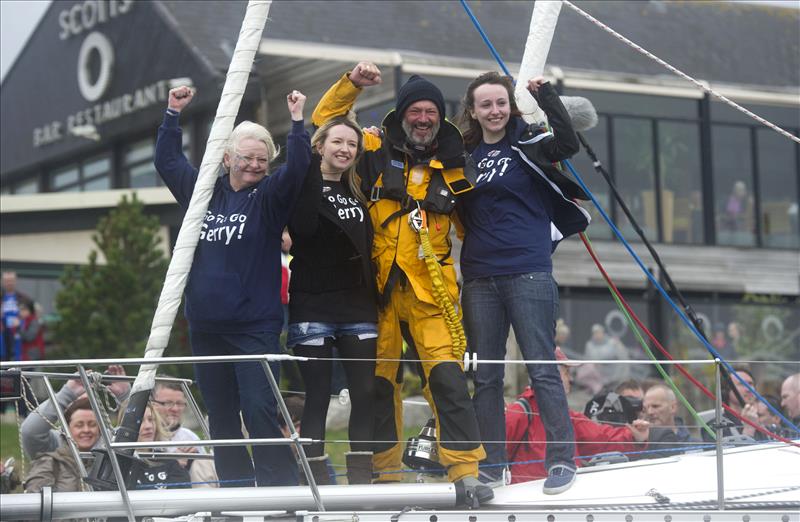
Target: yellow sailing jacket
[[395, 241]]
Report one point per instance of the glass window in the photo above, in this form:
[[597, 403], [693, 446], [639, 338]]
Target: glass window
[[783, 116], [639, 104], [186, 141], [92, 174], [138, 152], [750, 328], [143, 176], [96, 166], [733, 185], [635, 179], [99, 183], [597, 138], [27, 187], [65, 177], [778, 180], [681, 188], [139, 164], [598, 330]]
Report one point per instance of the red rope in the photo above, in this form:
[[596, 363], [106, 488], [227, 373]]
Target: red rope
[[666, 354]]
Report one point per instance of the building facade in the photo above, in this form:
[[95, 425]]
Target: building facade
[[715, 191]]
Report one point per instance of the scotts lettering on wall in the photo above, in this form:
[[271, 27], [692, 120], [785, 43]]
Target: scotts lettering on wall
[[93, 82], [83, 16]]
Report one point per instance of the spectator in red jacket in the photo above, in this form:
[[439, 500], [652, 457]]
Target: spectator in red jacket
[[31, 331], [526, 435]]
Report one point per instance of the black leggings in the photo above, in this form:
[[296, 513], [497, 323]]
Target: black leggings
[[361, 384]]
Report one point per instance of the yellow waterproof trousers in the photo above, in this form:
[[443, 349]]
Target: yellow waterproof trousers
[[444, 385]]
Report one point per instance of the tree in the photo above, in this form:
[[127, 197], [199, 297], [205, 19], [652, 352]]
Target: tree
[[106, 309]]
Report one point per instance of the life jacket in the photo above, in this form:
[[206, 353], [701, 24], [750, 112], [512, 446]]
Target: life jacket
[[452, 170]]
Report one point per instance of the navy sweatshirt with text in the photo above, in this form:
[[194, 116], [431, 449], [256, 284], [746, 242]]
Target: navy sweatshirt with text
[[235, 280]]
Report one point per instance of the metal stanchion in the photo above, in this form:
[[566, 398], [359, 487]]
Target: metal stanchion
[[294, 435], [718, 431], [195, 408], [104, 432]]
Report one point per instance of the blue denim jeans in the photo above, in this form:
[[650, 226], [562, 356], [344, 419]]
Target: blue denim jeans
[[529, 303], [314, 334], [230, 388]]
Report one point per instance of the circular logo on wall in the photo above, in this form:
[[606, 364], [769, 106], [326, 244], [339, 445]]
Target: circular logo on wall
[[90, 89]]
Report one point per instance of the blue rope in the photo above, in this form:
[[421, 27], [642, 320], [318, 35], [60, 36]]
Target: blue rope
[[171, 485], [485, 38], [669, 300], [636, 257]]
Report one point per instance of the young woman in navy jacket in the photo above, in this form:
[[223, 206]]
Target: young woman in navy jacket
[[519, 209]]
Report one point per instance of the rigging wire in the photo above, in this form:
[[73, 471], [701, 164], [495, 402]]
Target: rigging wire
[[705, 88], [649, 352], [625, 243]]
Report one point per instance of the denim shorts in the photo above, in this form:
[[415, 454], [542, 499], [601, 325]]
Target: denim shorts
[[314, 334]]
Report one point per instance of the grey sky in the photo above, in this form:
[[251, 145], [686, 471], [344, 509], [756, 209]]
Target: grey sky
[[18, 18]]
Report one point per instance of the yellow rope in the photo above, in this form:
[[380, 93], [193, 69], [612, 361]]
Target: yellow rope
[[440, 294]]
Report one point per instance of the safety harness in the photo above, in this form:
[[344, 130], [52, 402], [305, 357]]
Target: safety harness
[[418, 221], [455, 177]]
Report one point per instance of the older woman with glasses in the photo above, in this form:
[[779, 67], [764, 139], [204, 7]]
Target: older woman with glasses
[[233, 294]]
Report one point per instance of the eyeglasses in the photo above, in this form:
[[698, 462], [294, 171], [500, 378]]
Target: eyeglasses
[[261, 162], [171, 404]]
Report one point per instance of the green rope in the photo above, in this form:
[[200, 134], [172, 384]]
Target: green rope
[[659, 367]]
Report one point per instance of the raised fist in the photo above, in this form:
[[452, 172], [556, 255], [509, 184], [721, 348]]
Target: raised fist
[[179, 97], [295, 101], [535, 83], [365, 74], [375, 131]]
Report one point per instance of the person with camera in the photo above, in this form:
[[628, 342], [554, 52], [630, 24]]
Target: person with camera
[[525, 432]]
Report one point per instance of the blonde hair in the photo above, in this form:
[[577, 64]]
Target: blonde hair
[[161, 431], [248, 129], [350, 175]]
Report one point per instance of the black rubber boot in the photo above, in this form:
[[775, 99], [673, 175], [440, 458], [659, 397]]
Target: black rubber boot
[[319, 468], [471, 492], [359, 467]]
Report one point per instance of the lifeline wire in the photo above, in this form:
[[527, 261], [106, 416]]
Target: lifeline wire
[[646, 349], [677, 71], [598, 167], [625, 242], [685, 372]]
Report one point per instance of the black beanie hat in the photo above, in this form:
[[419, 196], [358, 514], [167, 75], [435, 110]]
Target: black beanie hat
[[418, 88]]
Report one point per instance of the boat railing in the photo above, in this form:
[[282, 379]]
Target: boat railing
[[294, 439]]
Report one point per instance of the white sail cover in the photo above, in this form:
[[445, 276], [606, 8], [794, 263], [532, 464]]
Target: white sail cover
[[537, 46]]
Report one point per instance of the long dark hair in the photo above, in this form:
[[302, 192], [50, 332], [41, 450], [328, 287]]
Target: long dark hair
[[469, 125]]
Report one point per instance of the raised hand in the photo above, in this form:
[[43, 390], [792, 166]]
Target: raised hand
[[118, 388], [640, 429], [365, 74], [295, 101], [179, 97], [375, 131], [535, 83]]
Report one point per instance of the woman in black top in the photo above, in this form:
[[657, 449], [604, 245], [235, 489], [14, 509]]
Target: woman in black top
[[332, 292]]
